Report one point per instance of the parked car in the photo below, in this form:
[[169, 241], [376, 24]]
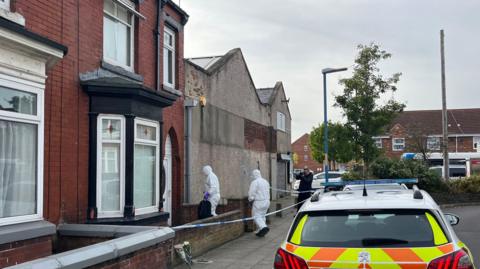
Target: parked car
[[318, 179], [384, 229]]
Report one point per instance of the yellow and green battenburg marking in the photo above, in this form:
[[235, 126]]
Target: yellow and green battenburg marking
[[381, 258]]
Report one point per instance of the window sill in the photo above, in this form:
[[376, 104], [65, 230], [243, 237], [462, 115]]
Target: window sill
[[171, 90], [137, 220], [25, 231], [12, 16]]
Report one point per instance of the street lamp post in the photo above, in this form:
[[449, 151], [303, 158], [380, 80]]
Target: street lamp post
[[325, 118]]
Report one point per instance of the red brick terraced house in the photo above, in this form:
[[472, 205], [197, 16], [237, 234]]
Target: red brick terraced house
[[416, 130], [91, 117], [303, 155]]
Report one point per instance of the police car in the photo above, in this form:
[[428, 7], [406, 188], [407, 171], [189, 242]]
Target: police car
[[376, 228]]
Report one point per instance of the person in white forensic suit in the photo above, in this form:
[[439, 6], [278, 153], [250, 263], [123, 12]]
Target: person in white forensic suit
[[212, 188], [259, 194]]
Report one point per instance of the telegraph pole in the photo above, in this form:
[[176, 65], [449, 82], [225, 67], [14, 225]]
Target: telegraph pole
[[446, 161]]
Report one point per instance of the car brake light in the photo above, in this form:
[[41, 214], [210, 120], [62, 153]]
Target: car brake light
[[456, 260], [286, 260]]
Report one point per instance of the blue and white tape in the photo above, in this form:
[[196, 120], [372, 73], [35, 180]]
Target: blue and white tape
[[291, 191], [201, 225]]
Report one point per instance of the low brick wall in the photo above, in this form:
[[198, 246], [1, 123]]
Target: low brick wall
[[26, 250], [131, 247], [207, 238], [449, 198], [189, 211], [157, 256]]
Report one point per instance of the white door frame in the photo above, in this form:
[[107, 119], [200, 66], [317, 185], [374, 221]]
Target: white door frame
[[168, 166]]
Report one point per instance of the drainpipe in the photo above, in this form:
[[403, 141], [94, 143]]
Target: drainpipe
[[189, 104], [160, 4]]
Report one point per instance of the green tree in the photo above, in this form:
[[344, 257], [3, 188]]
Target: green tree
[[365, 115], [339, 143]]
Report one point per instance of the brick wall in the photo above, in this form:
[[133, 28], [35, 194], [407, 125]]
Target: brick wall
[[259, 137], [207, 238], [190, 211], [157, 256], [26, 250], [455, 144], [298, 147], [79, 26]]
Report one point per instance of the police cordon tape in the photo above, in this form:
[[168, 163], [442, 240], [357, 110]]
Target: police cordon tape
[[201, 225], [292, 191]]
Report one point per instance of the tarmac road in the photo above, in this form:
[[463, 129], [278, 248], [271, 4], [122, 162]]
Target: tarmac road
[[468, 230]]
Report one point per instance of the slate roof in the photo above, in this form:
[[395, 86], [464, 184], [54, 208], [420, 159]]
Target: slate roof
[[429, 122], [265, 95]]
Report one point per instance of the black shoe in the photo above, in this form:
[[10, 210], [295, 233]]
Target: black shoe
[[262, 232]]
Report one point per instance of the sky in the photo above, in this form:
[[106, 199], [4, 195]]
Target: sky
[[293, 40]]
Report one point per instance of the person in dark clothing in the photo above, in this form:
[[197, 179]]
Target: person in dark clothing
[[306, 179]]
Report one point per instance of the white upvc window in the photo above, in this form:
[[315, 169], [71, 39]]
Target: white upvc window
[[398, 144], [305, 157], [21, 152], [433, 143], [5, 4], [169, 57], [146, 166], [281, 121], [305, 148], [476, 143], [118, 34], [110, 165], [378, 142]]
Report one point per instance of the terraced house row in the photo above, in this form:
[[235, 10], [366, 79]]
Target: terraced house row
[[90, 91], [100, 142]]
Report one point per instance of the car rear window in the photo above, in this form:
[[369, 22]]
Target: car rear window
[[378, 228]]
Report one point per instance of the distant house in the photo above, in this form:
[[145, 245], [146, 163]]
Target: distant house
[[416, 130], [301, 149], [235, 128]]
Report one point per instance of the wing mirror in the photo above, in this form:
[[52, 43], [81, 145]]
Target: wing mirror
[[452, 218]]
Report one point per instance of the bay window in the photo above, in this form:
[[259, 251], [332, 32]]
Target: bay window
[[117, 34], [146, 168], [21, 153], [169, 57], [110, 163]]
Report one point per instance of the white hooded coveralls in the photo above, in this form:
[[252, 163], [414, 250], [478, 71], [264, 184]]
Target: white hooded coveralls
[[212, 187], [259, 193]]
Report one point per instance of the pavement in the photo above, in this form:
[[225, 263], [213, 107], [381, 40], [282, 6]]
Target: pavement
[[468, 230], [249, 251]]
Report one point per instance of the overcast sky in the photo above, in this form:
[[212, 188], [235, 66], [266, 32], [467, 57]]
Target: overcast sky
[[292, 40]]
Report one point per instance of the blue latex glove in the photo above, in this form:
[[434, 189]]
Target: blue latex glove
[[206, 195]]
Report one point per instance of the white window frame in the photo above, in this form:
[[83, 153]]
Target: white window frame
[[394, 143], [137, 141], [429, 144], [171, 48], [476, 140], [5, 4], [30, 119], [131, 26], [378, 142], [305, 148], [100, 141], [305, 157], [281, 121]]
